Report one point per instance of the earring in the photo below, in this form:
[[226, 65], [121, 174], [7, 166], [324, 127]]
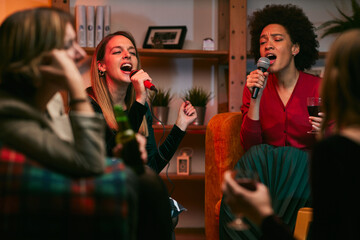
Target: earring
[[101, 73]]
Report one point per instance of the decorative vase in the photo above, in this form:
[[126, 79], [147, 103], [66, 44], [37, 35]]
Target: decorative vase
[[200, 116], [161, 115]]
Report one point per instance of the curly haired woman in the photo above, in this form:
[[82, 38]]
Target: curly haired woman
[[275, 123], [278, 116]]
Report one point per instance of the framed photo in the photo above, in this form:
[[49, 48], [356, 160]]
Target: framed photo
[[168, 37]]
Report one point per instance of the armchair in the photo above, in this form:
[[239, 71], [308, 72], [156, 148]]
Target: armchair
[[222, 151]]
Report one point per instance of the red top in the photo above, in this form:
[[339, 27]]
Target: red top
[[281, 125]]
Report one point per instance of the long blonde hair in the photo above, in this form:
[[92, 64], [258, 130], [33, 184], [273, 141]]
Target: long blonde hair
[[100, 87], [25, 37], [340, 88]]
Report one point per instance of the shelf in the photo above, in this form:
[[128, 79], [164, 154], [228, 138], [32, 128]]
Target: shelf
[[321, 55], [221, 56], [191, 176], [192, 129]]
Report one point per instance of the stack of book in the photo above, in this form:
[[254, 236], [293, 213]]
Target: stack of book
[[92, 24]]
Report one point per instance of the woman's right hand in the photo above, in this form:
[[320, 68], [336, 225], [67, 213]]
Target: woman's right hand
[[60, 71], [255, 205], [142, 148], [258, 79], [138, 82]]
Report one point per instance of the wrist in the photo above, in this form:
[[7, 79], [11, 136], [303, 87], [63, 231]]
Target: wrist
[[263, 214]]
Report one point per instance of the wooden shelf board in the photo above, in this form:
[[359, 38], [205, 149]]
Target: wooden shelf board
[[177, 53], [193, 129], [190, 177]]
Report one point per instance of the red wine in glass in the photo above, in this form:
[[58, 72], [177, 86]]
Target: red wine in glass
[[313, 110], [247, 183], [246, 179], [313, 107]]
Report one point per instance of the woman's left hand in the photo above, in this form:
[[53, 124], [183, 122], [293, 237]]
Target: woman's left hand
[[186, 115], [316, 122]]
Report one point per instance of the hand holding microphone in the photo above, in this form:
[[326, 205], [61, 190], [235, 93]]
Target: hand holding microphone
[[262, 64], [147, 83]]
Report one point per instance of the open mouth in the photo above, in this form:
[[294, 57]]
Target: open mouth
[[271, 57], [126, 67]]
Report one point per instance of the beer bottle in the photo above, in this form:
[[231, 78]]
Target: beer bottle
[[126, 136]]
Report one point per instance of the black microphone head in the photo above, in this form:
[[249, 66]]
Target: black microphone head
[[133, 72], [263, 63]]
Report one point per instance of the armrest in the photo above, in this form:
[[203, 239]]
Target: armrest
[[222, 150]]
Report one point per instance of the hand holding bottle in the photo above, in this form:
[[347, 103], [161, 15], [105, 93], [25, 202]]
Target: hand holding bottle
[[131, 152], [142, 148]]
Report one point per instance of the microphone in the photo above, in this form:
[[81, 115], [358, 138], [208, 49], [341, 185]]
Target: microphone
[[147, 83], [262, 64]]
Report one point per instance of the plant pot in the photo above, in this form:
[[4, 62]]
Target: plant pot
[[161, 114], [200, 116]]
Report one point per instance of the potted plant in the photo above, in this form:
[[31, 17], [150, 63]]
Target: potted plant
[[199, 99], [160, 105], [338, 25]]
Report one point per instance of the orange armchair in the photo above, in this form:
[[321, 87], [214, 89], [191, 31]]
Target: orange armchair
[[222, 150]]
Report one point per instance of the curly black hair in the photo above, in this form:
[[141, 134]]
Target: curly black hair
[[296, 23]]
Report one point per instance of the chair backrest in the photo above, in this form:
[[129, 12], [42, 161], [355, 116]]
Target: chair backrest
[[303, 220]]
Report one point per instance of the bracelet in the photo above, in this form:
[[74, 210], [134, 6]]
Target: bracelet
[[77, 100]]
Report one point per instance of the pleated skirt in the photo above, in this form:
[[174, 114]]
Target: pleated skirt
[[285, 171]]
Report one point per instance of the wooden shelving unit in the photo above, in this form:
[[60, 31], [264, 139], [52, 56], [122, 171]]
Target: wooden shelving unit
[[191, 177], [221, 56], [192, 129]]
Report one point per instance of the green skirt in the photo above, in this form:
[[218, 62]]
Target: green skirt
[[284, 170]]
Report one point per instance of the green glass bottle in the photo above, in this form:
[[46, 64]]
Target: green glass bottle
[[126, 136]]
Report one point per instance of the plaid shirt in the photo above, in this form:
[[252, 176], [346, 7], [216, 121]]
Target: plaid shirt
[[37, 203]]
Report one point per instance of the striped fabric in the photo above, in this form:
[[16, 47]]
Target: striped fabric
[[36, 203]]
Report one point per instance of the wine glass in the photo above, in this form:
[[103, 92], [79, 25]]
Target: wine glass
[[313, 106], [246, 179]]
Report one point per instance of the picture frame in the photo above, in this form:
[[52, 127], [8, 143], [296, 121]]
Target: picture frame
[[167, 37]]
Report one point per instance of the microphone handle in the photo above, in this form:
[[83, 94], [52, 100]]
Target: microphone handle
[[255, 93], [256, 89], [147, 83]]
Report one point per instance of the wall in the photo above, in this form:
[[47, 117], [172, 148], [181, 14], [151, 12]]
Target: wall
[[8, 7], [200, 17], [318, 12]]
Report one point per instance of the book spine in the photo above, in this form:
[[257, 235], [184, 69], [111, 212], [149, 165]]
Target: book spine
[[80, 22], [90, 18], [107, 15], [99, 32]]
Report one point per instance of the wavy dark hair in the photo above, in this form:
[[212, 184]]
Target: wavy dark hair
[[296, 23]]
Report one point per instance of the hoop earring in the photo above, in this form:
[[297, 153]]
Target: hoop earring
[[101, 73]]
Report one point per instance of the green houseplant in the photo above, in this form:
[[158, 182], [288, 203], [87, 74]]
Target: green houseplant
[[339, 25], [199, 98], [160, 105]]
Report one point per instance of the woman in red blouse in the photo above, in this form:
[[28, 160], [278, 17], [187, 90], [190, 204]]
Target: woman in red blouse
[[278, 116], [275, 123]]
